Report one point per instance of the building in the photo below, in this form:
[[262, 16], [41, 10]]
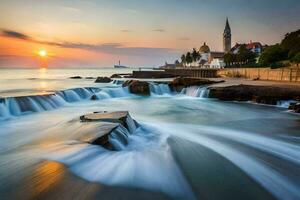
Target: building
[[227, 38], [204, 52], [255, 47], [210, 59], [217, 63]]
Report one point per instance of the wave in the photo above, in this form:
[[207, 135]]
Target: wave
[[143, 160]]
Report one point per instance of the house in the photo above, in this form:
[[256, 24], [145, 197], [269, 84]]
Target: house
[[255, 47], [217, 63]]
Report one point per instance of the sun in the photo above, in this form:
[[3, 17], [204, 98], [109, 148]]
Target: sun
[[43, 53]]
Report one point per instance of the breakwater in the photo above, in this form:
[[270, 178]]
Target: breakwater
[[190, 72], [282, 74]]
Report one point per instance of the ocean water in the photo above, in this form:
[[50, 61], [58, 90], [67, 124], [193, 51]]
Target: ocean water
[[186, 147]]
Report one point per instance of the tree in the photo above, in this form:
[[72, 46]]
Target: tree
[[195, 55], [272, 54], [245, 56], [177, 62], [229, 59], [188, 58], [296, 58], [183, 60], [291, 43]]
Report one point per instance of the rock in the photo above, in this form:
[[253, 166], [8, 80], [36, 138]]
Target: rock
[[101, 136], [259, 94], [137, 87], [89, 77], [75, 77], [182, 82], [116, 76], [103, 80], [108, 123], [113, 117], [295, 107], [94, 97]]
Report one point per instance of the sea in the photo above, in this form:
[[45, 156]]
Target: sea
[[186, 145]]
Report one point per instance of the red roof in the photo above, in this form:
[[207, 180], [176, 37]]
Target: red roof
[[253, 45]]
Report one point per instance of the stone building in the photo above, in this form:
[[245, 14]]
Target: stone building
[[227, 38]]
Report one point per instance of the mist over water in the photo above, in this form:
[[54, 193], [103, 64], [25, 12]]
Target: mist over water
[[186, 147]]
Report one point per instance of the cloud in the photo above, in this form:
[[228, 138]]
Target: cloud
[[14, 34], [159, 30], [126, 31], [108, 48], [184, 38]]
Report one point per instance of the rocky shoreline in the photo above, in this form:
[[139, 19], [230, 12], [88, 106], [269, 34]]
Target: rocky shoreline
[[269, 95], [263, 94]]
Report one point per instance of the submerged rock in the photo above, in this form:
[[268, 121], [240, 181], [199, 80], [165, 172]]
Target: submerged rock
[[182, 82], [259, 94], [295, 107], [75, 77], [137, 87], [94, 97], [116, 76], [103, 80]]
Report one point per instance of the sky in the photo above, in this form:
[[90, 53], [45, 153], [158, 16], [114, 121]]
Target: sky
[[140, 33]]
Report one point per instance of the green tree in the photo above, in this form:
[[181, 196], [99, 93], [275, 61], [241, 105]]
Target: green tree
[[245, 56], [229, 59], [183, 60], [291, 43], [195, 55], [296, 59], [189, 58], [272, 54]]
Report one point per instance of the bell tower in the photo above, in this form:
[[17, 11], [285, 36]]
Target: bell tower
[[227, 38]]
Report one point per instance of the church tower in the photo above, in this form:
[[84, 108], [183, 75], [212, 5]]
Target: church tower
[[227, 37]]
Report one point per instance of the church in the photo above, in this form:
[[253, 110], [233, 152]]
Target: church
[[214, 59]]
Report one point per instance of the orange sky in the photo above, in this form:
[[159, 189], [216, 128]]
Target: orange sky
[[98, 33]]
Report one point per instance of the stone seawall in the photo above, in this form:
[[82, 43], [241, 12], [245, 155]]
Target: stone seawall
[[283, 74], [203, 73]]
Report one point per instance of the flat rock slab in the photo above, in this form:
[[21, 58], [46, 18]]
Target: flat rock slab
[[114, 117]]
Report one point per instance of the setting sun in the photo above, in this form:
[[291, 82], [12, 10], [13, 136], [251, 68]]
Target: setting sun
[[43, 53]]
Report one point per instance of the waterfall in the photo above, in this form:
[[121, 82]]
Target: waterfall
[[285, 103], [159, 89], [119, 138], [118, 82], [131, 124], [196, 91], [113, 93], [15, 106]]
